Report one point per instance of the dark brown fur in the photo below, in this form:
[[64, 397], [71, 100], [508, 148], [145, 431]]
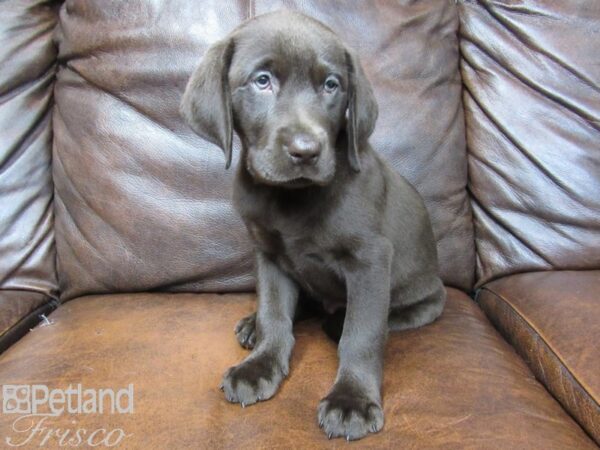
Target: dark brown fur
[[327, 215]]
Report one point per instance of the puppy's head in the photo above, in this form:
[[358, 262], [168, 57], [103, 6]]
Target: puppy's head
[[290, 88]]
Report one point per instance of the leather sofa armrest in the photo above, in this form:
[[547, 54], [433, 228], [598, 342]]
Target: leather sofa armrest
[[553, 321]]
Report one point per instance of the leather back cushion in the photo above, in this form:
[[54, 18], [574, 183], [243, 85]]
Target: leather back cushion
[[144, 204], [532, 99], [27, 66]]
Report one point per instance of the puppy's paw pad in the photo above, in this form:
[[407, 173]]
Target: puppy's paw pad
[[245, 331], [349, 417], [254, 380]]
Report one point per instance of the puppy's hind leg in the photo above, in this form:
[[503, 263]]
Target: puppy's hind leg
[[245, 330], [418, 314]]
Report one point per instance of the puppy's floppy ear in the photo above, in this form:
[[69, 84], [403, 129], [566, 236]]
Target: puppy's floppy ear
[[206, 102], [362, 109]]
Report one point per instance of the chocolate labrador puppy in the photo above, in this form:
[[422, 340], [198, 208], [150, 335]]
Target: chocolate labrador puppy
[[326, 214]]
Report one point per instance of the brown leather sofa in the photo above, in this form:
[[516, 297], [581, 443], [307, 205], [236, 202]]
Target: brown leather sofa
[[117, 231]]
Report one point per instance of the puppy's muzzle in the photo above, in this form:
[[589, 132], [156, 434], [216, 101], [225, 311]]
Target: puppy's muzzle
[[302, 148]]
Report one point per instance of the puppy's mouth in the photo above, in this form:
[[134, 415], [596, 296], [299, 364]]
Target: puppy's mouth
[[299, 183], [291, 183], [286, 175]]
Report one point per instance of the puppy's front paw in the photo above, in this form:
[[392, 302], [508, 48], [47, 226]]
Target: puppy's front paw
[[349, 413], [255, 379], [245, 331]]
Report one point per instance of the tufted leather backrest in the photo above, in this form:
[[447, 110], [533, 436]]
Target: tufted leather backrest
[[532, 98], [27, 66], [144, 204]]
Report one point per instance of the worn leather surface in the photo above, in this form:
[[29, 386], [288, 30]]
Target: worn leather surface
[[20, 311], [15, 305], [553, 320], [144, 204], [453, 384], [27, 66], [531, 72]]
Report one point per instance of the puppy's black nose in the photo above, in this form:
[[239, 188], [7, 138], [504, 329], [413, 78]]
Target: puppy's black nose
[[304, 149]]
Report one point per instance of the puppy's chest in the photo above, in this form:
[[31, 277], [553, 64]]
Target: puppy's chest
[[304, 258]]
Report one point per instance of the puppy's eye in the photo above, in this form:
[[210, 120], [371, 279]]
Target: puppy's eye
[[331, 84], [263, 81]]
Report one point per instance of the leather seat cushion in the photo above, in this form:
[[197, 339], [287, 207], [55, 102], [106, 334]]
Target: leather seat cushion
[[453, 384], [553, 320]]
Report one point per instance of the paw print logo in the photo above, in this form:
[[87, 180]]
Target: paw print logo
[[16, 399]]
